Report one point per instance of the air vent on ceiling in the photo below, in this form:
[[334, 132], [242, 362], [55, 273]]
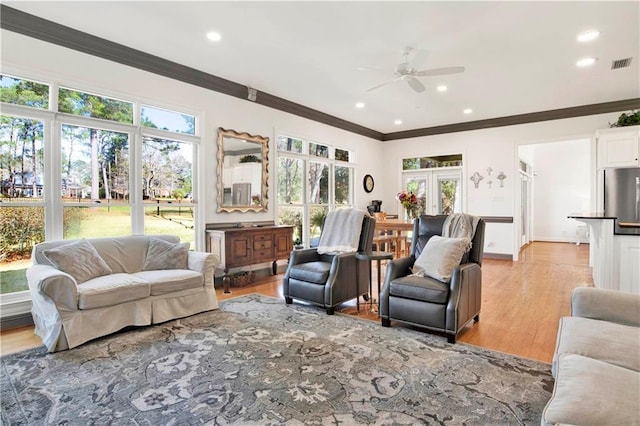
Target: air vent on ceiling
[[620, 63]]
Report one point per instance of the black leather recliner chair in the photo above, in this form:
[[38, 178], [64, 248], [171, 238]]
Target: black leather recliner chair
[[429, 303], [329, 279]]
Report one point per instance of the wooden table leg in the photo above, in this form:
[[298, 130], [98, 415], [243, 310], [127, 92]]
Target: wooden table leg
[[226, 282]]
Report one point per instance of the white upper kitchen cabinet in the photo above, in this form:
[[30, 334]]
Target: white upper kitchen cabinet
[[618, 147]]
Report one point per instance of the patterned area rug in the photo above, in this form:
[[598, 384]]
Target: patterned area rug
[[259, 361]]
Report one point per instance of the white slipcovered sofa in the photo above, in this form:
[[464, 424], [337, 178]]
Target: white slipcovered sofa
[[596, 364], [84, 289]]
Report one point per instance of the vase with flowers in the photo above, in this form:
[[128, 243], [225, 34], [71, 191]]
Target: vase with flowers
[[409, 201]]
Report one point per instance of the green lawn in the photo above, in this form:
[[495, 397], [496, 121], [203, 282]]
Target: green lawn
[[13, 280], [108, 222]]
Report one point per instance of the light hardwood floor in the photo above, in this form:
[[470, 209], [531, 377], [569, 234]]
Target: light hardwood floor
[[522, 301]]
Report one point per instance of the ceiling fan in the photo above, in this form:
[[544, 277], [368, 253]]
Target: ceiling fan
[[404, 72]]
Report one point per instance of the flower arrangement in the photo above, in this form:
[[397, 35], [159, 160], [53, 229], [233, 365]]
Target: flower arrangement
[[256, 199], [414, 205], [409, 200]]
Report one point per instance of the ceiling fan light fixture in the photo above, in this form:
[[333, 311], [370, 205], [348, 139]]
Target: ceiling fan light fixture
[[586, 36], [441, 88], [585, 62]]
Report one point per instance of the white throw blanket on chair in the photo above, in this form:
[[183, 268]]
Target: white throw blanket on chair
[[460, 225], [341, 233]]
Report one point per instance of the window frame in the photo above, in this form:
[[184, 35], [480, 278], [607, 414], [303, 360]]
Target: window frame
[[308, 158], [17, 303]]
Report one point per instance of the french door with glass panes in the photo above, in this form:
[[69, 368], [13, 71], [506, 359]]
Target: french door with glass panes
[[438, 191]]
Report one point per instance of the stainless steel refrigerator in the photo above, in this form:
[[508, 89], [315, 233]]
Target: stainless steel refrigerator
[[622, 199], [241, 194]]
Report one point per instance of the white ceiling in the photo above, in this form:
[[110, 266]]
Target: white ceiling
[[519, 56]]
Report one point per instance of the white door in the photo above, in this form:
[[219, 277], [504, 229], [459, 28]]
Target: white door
[[438, 191], [525, 209]]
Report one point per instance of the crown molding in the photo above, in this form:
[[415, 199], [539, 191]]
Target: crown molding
[[512, 120], [32, 26]]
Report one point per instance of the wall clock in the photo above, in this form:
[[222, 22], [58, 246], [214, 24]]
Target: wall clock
[[367, 182]]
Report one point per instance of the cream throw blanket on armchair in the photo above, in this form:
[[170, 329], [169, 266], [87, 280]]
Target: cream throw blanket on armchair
[[460, 225], [341, 233]]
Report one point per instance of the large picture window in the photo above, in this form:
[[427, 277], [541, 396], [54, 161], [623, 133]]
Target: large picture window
[[94, 182], [85, 167], [312, 179], [167, 188], [22, 218]]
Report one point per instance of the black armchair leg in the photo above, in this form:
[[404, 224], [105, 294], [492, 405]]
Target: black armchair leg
[[451, 338], [288, 300], [386, 322], [330, 311]]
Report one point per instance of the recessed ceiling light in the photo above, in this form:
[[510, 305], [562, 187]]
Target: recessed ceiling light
[[586, 62], [397, 122], [214, 36], [588, 36], [360, 105], [467, 111], [441, 88]]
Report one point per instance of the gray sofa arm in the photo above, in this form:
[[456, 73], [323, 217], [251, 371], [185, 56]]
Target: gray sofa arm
[[342, 272], [395, 268], [54, 284], [607, 305], [466, 296], [398, 268], [303, 256]]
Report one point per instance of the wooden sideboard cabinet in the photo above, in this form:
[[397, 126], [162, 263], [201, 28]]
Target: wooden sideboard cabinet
[[249, 245]]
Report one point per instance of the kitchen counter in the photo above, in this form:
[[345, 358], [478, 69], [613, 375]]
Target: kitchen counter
[[590, 215], [614, 258]]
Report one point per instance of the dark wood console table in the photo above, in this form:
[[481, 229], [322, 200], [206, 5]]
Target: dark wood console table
[[248, 244]]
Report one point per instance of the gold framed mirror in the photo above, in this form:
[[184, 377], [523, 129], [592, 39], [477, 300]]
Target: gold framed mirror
[[243, 171]]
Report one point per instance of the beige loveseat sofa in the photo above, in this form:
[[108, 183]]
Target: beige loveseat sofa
[[596, 365], [83, 289]]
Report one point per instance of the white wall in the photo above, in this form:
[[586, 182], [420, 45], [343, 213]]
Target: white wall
[[562, 185], [31, 58], [496, 148]]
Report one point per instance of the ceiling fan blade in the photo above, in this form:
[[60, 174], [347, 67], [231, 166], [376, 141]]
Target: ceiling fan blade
[[370, 69], [415, 84], [383, 84], [439, 71]]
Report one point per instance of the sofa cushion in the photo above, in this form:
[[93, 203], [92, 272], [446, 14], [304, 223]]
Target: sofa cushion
[[592, 392], [171, 280], [109, 290], [164, 255], [420, 288], [313, 272], [78, 259], [440, 256], [602, 340]]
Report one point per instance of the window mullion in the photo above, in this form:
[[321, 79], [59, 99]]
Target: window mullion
[[95, 123], [164, 134], [135, 183], [54, 215], [26, 112]]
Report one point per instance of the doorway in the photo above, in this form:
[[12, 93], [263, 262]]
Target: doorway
[[526, 204], [556, 180]]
